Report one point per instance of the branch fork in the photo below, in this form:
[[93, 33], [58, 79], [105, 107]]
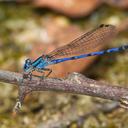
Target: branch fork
[[75, 83]]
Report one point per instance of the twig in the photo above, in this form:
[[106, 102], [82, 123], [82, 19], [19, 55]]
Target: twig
[[75, 83]]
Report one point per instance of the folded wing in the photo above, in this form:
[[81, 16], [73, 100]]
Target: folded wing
[[85, 43]]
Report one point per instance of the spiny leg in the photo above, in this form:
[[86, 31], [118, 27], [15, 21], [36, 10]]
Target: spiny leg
[[27, 75], [48, 69], [42, 71], [30, 76]]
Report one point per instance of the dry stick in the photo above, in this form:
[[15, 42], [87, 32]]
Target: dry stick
[[75, 83]]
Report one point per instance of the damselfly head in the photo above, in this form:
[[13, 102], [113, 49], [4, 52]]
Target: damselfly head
[[28, 65]]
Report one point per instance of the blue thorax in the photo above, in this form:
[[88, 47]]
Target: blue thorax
[[40, 63]]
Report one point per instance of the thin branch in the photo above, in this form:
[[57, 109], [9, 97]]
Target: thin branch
[[75, 83]]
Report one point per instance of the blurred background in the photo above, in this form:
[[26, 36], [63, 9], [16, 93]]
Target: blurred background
[[30, 28]]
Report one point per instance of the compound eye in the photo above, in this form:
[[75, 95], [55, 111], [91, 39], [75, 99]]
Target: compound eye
[[28, 61], [27, 65]]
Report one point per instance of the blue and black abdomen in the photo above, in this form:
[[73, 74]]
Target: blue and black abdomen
[[90, 54]]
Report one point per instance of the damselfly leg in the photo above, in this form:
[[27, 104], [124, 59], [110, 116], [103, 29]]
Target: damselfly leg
[[43, 71]]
